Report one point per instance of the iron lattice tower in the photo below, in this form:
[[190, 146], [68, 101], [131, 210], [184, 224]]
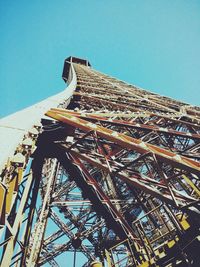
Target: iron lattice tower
[[110, 172]]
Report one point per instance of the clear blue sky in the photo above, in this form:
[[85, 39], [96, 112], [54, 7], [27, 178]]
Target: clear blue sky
[[153, 44]]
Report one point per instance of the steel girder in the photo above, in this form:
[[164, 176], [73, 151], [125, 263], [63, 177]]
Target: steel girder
[[114, 177]]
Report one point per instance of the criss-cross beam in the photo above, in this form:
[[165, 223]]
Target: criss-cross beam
[[136, 125], [175, 140], [127, 142], [131, 98]]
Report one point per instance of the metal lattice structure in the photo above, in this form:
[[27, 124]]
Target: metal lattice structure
[[109, 174]]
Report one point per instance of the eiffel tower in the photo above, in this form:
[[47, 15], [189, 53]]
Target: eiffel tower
[[102, 174]]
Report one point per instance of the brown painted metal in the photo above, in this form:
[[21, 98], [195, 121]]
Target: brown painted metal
[[127, 141]]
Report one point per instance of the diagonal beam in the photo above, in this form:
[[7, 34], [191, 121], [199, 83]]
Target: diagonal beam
[[132, 124], [128, 142], [137, 181]]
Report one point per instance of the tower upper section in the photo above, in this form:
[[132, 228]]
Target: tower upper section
[[66, 75], [78, 61]]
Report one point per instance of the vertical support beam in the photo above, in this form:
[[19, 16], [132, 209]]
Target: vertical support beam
[[3, 191], [38, 233], [9, 249]]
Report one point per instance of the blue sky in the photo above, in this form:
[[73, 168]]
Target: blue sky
[[154, 44]]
